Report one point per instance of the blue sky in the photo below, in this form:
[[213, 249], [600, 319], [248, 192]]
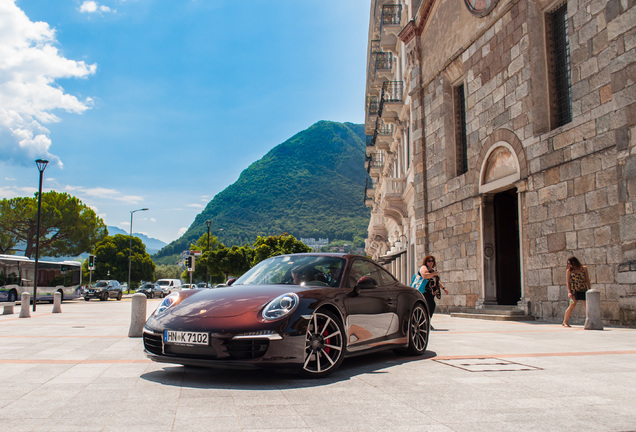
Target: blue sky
[[162, 103]]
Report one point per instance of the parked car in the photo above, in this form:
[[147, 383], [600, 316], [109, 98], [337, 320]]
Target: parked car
[[151, 290], [188, 286], [202, 285], [169, 285], [304, 312], [103, 290]]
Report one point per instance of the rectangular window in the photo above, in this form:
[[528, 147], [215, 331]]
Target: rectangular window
[[559, 67], [461, 140]]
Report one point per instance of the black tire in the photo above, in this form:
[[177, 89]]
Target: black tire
[[104, 297], [324, 345], [61, 295], [152, 295], [419, 329], [86, 299], [13, 296], [119, 296]]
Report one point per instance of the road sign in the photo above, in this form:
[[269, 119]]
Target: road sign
[[195, 253]]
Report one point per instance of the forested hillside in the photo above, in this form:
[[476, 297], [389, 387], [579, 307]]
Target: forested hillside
[[312, 185]]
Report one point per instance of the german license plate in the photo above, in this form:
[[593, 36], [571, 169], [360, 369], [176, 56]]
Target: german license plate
[[185, 338]]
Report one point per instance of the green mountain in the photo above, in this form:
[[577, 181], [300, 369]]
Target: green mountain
[[312, 185]]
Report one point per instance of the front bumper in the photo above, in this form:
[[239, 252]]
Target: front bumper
[[265, 349]]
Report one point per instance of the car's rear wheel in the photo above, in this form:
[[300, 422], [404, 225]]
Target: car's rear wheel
[[86, 299], [419, 327], [13, 296], [119, 295], [104, 296], [324, 345]]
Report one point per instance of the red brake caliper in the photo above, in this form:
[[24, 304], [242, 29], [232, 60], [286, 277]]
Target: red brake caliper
[[327, 341]]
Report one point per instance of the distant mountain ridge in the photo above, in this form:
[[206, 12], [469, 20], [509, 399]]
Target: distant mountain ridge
[[153, 245], [312, 185]]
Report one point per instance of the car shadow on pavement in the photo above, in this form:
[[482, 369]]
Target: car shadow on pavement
[[264, 379]]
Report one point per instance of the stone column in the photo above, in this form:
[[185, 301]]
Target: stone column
[[593, 310], [57, 302], [137, 315], [25, 299]]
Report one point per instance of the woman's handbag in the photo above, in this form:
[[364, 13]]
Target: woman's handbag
[[418, 282]]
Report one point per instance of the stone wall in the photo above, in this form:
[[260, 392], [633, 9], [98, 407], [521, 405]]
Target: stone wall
[[580, 178]]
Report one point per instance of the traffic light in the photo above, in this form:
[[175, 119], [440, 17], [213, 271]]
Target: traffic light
[[91, 261], [188, 262]]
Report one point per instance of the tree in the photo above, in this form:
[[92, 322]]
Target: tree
[[111, 260], [167, 272], [67, 226], [7, 243], [230, 261], [266, 247]]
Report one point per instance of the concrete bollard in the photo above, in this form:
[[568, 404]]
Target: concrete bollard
[[25, 299], [137, 315], [593, 311], [57, 302]]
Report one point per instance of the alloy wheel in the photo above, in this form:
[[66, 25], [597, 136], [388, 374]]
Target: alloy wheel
[[325, 343]]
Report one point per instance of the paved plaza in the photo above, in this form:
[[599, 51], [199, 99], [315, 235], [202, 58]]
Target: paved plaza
[[78, 371]]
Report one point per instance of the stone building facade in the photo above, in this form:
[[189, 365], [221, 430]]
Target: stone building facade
[[501, 140]]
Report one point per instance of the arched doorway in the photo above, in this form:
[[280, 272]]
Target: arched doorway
[[500, 226]]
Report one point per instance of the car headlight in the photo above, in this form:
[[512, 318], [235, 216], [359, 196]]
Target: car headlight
[[167, 302], [281, 306]]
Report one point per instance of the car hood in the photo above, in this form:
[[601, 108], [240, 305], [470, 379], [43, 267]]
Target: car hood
[[230, 301]]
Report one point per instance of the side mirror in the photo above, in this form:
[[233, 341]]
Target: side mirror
[[230, 281], [365, 282]]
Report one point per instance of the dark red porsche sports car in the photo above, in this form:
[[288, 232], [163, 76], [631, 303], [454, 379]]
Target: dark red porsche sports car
[[303, 311]]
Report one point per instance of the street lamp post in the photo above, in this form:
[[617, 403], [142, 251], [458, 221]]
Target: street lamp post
[[41, 164], [207, 276], [130, 247]]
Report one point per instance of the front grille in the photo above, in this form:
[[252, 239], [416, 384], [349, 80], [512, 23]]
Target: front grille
[[153, 343], [241, 349]]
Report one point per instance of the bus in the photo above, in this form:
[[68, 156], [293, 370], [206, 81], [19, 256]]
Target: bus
[[16, 277]]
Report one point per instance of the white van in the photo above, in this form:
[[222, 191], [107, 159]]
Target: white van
[[169, 285]]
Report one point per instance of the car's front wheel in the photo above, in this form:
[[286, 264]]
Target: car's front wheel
[[119, 295], [418, 330], [104, 297], [324, 345], [86, 299]]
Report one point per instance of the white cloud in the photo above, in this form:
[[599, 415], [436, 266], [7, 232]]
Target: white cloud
[[91, 6], [29, 65], [195, 205], [181, 231]]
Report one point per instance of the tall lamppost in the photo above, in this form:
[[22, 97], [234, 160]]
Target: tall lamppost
[[130, 248], [207, 276], [41, 164]]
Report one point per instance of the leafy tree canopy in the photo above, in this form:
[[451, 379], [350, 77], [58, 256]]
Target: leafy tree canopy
[[67, 226], [111, 260]]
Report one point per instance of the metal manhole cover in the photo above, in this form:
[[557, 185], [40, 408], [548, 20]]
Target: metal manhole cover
[[487, 364]]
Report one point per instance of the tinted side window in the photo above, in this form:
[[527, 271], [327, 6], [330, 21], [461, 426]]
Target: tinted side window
[[361, 268]]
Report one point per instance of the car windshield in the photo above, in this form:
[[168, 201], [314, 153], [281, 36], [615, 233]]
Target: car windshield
[[163, 283], [295, 269], [101, 284]]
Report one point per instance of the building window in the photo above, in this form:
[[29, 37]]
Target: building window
[[559, 67], [461, 141]]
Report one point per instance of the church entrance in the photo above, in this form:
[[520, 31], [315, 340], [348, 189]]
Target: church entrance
[[507, 257]]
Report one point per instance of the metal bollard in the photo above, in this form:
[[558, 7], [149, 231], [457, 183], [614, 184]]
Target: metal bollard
[[25, 299], [137, 315], [57, 302], [593, 311]]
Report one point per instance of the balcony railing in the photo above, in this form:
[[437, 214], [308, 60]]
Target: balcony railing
[[391, 15], [373, 105], [383, 61], [375, 45], [393, 186], [392, 92], [385, 129]]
